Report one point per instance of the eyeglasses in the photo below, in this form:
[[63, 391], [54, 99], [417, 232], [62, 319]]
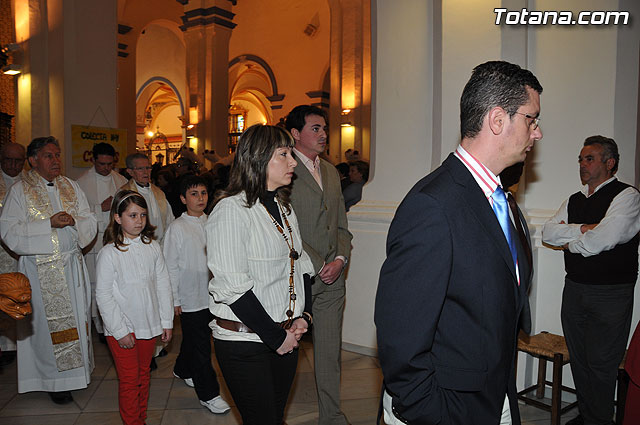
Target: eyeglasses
[[535, 120], [16, 161], [142, 168]]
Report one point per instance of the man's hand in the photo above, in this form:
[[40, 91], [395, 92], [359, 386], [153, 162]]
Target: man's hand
[[61, 219], [177, 310], [331, 271], [106, 204], [586, 227], [166, 335]]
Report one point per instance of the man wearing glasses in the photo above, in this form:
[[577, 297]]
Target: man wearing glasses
[[160, 214], [597, 228], [453, 288], [12, 157]]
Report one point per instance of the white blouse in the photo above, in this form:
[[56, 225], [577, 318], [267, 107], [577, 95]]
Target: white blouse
[[185, 253], [245, 251], [133, 291]]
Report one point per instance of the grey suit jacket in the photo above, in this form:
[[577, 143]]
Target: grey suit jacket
[[321, 216]]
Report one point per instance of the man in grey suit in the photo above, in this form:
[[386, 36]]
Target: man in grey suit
[[317, 200]]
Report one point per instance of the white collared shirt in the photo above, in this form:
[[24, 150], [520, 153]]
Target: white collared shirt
[[185, 253], [133, 291], [619, 225], [487, 181], [313, 165]]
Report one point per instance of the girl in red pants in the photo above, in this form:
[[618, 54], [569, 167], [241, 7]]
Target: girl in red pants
[[133, 293]]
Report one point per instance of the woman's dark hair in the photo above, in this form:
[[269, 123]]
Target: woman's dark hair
[[121, 202], [249, 171]]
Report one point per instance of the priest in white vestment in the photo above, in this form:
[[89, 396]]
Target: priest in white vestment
[[47, 221], [99, 183], [160, 214], [12, 157]]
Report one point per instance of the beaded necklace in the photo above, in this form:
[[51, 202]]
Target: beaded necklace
[[293, 256]]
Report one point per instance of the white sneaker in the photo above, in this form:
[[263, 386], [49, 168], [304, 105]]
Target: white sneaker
[[216, 405], [187, 381]]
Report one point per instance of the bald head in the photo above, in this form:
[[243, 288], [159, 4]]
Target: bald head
[[12, 158]]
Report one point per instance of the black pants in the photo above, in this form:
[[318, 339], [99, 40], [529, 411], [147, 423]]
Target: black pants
[[596, 320], [194, 360], [259, 379]]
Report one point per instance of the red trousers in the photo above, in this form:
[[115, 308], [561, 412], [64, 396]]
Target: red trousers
[[132, 365]]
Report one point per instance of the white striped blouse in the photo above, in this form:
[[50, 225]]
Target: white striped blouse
[[245, 251]]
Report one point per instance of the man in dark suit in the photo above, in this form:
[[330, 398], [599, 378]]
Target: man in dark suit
[[454, 284], [316, 197]]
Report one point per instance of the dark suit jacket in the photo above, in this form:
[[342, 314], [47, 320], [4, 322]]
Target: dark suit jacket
[[448, 304]]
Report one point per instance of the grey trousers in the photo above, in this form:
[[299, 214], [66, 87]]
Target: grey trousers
[[596, 320], [328, 307]]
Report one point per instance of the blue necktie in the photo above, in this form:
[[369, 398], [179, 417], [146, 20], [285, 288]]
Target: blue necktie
[[501, 209]]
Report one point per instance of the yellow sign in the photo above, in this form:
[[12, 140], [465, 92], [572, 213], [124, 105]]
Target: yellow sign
[[83, 138]]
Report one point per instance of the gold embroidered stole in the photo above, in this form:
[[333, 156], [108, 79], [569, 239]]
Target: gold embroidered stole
[[158, 194], [53, 283]]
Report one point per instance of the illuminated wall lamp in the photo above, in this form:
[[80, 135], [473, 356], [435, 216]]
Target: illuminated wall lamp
[[12, 69], [345, 118]]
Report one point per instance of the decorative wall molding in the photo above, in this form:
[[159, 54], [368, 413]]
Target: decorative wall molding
[[207, 16]]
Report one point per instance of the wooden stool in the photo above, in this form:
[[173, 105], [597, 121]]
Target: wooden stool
[[547, 347]]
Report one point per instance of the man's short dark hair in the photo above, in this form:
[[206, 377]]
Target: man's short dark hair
[[39, 143], [298, 116], [494, 83], [191, 180], [609, 149], [103, 148]]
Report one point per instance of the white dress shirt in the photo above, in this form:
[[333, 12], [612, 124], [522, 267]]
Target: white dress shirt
[[487, 181], [133, 290], [619, 225], [246, 252], [312, 165], [185, 253]]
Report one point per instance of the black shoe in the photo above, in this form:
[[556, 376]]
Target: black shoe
[[578, 420], [7, 357], [61, 397], [162, 353], [153, 365], [102, 338]]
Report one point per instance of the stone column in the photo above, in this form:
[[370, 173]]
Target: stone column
[[69, 72], [350, 77], [207, 28]]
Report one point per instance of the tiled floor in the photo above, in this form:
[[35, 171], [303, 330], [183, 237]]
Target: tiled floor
[[173, 403]]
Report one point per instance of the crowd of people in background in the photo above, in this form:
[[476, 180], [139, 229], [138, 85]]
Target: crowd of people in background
[[253, 253], [130, 250]]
